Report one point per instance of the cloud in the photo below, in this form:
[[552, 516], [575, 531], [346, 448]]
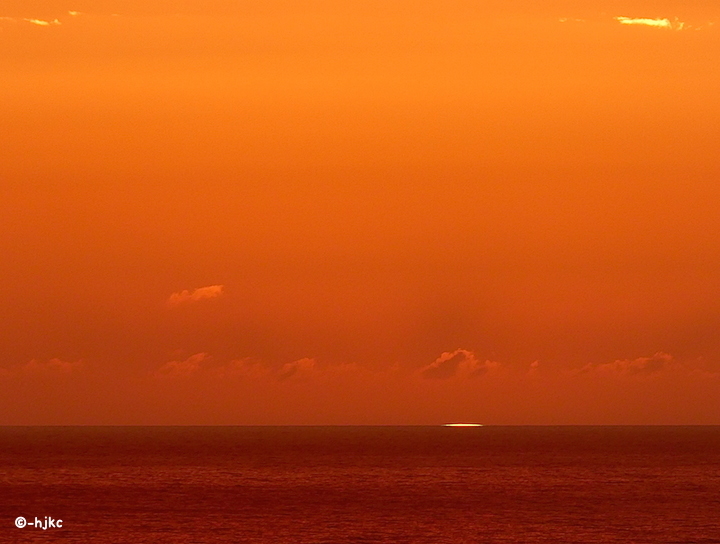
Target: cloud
[[657, 23], [51, 367], [660, 365], [662, 23], [302, 368], [38, 22], [211, 291], [204, 366], [247, 367], [460, 362], [184, 368], [643, 366], [41, 22]]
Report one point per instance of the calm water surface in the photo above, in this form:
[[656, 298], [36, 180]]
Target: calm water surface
[[362, 484]]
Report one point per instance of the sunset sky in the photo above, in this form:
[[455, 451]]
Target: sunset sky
[[377, 212]]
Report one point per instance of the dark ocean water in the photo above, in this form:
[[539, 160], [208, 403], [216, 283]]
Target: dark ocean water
[[362, 484]]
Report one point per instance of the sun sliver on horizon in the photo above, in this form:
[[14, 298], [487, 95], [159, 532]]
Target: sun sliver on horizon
[[462, 425]]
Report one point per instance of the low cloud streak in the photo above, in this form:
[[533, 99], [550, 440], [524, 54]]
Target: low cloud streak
[[202, 293], [656, 23], [41, 22], [51, 367]]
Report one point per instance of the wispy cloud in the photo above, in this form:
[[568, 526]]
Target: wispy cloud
[[50, 367], [301, 368], [660, 364], [204, 366], [657, 23], [42, 22], [661, 23], [643, 366], [182, 297], [37, 22], [247, 367], [53, 366], [184, 368]]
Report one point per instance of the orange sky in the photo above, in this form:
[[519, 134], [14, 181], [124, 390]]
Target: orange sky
[[316, 212]]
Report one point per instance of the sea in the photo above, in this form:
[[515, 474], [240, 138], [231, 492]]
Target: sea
[[430, 485]]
